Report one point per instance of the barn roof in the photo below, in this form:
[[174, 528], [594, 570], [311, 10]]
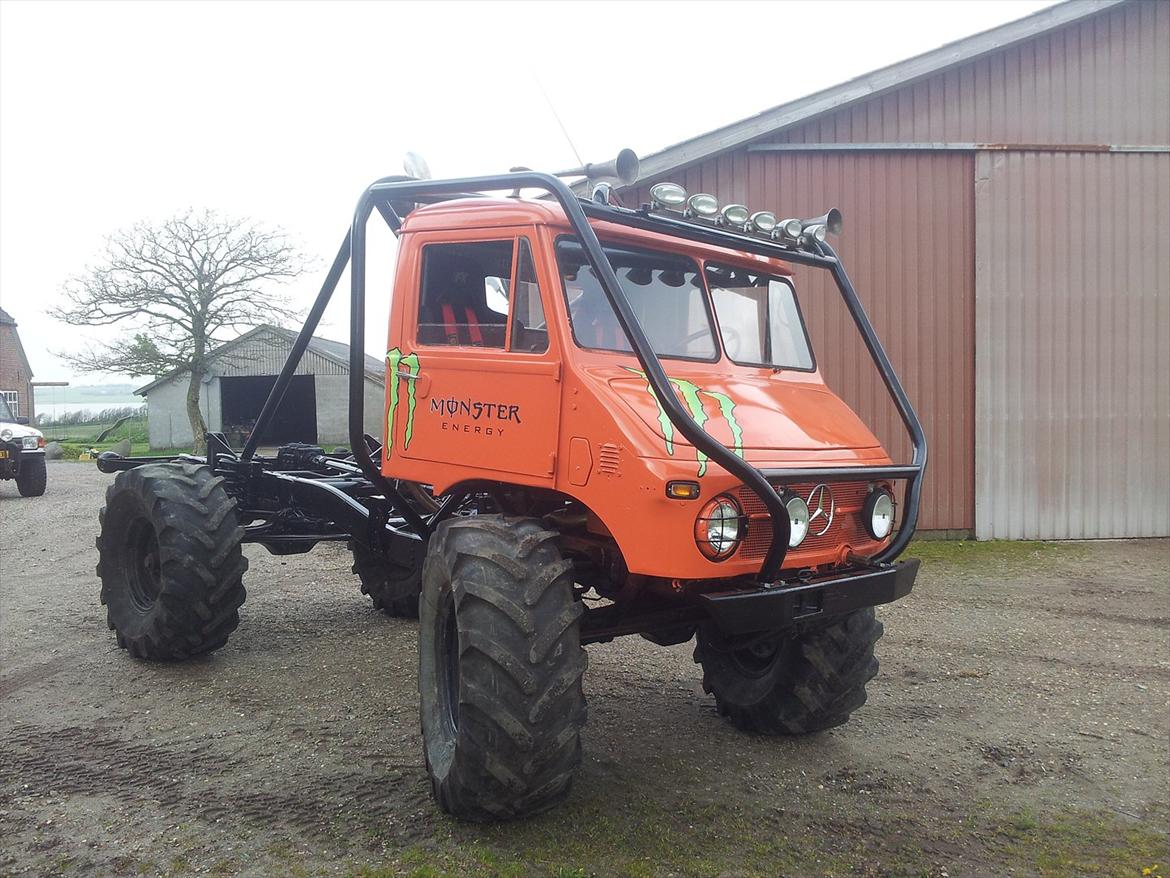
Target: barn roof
[[336, 351], [866, 86]]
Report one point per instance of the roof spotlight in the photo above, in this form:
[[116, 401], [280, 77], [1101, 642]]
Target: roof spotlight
[[668, 195], [734, 214], [704, 205], [763, 221], [789, 228], [816, 232]]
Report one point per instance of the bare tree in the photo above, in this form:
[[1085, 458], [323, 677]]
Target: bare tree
[[180, 289]]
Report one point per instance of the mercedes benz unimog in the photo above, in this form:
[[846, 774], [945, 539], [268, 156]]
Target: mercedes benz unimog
[[600, 420]]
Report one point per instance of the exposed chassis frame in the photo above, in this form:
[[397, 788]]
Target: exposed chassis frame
[[331, 486]]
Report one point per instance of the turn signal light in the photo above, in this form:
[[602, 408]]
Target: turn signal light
[[682, 490]]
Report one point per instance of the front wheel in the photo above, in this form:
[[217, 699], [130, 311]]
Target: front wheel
[[794, 682], [170, 562], [500, 667], [33, 476]]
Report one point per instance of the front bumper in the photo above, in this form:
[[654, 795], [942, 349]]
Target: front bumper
[[779, 606]]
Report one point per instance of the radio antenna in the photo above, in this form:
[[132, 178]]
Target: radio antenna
[[557, 116]]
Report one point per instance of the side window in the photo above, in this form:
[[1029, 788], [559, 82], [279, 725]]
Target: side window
[[464, 299], [529, 330]]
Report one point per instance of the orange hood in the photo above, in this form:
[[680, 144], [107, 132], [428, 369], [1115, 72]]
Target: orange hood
[[763, 414]]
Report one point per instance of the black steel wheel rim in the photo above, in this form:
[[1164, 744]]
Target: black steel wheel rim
[[448, 663], [756, 659], [143, 564]]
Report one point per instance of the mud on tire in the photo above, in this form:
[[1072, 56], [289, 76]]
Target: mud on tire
[[170, 561], [500, 667], [802, 681]]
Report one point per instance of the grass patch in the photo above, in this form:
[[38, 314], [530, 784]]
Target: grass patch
[[647, 839], [969, 554], [1078, 843]]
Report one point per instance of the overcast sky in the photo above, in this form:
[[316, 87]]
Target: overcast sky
[[112, 113]]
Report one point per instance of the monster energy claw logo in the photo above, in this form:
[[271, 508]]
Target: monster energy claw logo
[[693, 397], [402, 368]]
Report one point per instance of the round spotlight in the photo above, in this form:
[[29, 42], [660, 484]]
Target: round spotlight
[[718, 529], [789, 228], [763, 221], [816, 232], [734, 214], [668, 195], [797, 520], [879, 514], [704, 205]]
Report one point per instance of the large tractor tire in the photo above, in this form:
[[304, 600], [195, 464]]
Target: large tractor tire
[[392, 583], [500, 667], [797, 682], [170, 561], [33, 476]]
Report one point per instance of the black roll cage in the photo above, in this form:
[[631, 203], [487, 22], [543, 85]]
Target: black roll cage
[[389, 196]]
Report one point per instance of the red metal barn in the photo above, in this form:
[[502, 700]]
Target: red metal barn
[[1007, 223]]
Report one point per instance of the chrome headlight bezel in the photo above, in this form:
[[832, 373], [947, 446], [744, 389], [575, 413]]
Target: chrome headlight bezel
[[879, 514], [798, 520], [719, 528]]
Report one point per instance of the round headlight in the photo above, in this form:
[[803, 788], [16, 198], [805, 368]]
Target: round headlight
[[734, 214], [668, 194], [718, 528], [5, 434], [797, 520], [763, 221], [879, 514], [704, 205], [789, 228]]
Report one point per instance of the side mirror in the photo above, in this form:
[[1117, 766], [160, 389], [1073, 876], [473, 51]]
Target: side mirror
[[22, 421]]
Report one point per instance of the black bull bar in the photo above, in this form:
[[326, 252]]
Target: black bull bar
[[771, 608]]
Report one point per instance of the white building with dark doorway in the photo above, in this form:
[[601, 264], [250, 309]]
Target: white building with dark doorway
[[243, 372]]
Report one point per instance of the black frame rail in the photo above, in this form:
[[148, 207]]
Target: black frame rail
[[388, 196]]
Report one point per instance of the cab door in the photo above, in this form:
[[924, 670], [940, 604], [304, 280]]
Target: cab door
[[477, 395]]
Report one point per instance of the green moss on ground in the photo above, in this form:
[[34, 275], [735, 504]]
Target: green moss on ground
[[645, 840]]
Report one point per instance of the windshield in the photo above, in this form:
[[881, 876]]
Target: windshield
[[664, 290], [759, 319], [6, 412]]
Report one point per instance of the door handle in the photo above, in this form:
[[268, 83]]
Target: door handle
[[409, 376]]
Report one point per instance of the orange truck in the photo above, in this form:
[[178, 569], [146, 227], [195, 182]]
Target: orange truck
[[600, 420]]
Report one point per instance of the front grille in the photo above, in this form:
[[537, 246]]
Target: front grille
[[847, 527]]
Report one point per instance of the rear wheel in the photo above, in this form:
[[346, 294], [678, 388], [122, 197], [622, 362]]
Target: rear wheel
[[392, 582], [500, 667], [33, 476], [801, 681], [170, 561]]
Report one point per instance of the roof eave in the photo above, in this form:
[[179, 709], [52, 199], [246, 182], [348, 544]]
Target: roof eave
[[868, 85]]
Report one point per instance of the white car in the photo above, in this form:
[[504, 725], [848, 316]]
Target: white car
[[22, 453]]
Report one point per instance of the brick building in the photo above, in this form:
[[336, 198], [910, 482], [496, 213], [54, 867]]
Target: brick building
[[15, 372]]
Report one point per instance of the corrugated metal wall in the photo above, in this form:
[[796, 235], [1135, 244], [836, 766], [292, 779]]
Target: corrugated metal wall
[[910, 244], [908, 247], [1073, 345], [1103, 80]]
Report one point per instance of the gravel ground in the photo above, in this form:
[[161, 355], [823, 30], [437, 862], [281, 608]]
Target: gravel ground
[[1018, 726]]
